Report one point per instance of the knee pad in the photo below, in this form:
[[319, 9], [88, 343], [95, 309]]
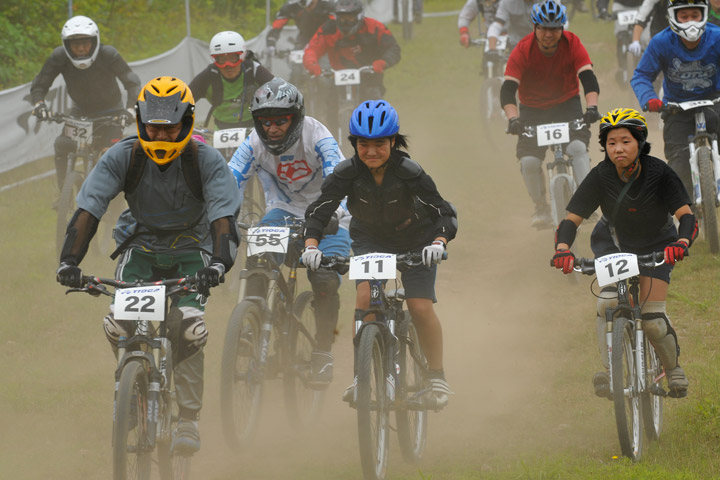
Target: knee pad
[[113, 329], [576, 148], [530, 165], [64, 145], [324, 282], [607, 299], [194, 333], [655, 321]]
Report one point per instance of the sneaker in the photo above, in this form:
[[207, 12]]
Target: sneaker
[[348, 395], [601, 383], [439, 391], [677, 382], [186, 438], [542, 219], [321, 369]]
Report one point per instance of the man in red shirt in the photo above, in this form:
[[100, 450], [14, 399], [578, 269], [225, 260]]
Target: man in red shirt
[[544, 69]]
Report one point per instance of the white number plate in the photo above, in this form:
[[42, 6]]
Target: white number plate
[[267, 239], [695, 103], [552, 133], [615, 267], [228, 138], [140, 303], [79, 130], [626, 17], [373, 266], [351, 76], [500, 45], [296, 56]]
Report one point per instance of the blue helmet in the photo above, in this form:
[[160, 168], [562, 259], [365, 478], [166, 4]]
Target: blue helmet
[[548, 14], [374, 119]]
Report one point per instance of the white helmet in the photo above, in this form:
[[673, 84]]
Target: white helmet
[[81, 27], [227, 42], [690, 31]]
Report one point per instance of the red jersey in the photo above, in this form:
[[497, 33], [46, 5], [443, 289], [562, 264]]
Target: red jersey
[[547, 81]]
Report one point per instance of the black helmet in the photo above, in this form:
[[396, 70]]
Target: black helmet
[[274, 98], [352, 12]]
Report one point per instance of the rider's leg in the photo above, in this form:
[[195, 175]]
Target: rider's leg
[[63, 147], [534, 178], [676, 130], [429, 331], [578, 152]]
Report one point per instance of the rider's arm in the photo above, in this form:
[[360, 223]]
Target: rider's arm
[[688, 228], [43, 81], [565, 233], [468, 14], [389, 46], [79, 232], [318, 213], [590, 85], [222, 197], [129, 79], [441, 211], [326, 148], [643, 16], [242, 163], [262, 75], [493, 32], [507, 97], [199, 85], [316, 48], [646, 72], [637, 31]]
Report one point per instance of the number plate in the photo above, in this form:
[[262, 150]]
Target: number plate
[[500, 45], [626, 17], [140, 303], [351, 76], [695, 103], [228, 138], [79, 130], [267, 239], [552, 134], [613, 268], [373, 266], [296, 56]]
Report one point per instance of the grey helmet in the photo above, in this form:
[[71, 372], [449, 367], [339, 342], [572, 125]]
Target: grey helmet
[[274, 98], [349, 7]]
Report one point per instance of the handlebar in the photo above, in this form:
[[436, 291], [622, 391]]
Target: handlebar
[[410, 259], [329, 72], [530, 131], [586, 266], [672, 108], [121, 118], [96, 285]]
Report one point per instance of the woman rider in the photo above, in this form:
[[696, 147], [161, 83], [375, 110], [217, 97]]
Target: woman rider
[[395, 208], [638, 195]]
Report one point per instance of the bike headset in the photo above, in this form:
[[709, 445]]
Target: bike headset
[[80, 27], [227, 42], [165, 101], [549, 14], [349, 7], [690, 31], [276, 98]]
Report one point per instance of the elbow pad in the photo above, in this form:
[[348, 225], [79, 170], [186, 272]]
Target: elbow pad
[[507, 93], [589, 81], [494, 30], [565, 233], [688, 227], [225, 242]]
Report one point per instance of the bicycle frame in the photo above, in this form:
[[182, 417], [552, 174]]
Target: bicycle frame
[[703, 138]]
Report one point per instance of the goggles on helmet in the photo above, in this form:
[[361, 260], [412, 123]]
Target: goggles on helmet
[[223, 60]]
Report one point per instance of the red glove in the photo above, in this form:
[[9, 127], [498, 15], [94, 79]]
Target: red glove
[[654, 105], [314, 69], [379, 66], [464, 37], [675, 252], [564, 260]]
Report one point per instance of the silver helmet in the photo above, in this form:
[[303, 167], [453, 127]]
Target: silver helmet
[[274, 98]]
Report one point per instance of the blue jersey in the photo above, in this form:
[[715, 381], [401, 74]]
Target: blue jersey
[[688, 74]]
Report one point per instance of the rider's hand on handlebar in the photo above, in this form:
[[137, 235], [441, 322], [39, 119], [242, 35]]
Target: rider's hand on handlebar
[[635, 48], [69, 275], [653, 105], [564, 260], [209, 277], [604, 14], [464, 37], [379, 66], [432, 254], [514, 126], [315, 70], [312, 257], [675, 252], [591, 115], [41, 111]]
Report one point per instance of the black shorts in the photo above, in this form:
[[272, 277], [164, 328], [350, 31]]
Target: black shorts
[[418, 282]]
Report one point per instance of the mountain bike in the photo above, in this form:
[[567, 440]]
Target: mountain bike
[[290, 66], [635, 370], [624, 22], [82, 131], [493, 76], [561, 181], [270, 312], [144, 410], [390, 366], [704, 168]]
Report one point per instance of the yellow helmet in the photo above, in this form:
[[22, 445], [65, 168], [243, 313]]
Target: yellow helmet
[[165, 101], [624, 118]]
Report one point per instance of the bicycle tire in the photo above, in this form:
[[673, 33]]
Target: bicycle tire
[[708, 195], [241, 384], [372, 412], [66, 206], [652, 408], [626, 398], [303, 404], [131, 452], [562, 192], [412, 425], [488, 101]]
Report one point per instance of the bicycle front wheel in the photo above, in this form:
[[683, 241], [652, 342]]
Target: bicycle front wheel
[[708, 193], [652, 408], [303, 403], [561, 193], [412, 425], [66, 206], [626, 397], [241, 382], [372, 411], [131, 448]]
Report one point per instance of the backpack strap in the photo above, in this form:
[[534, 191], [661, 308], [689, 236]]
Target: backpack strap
[[191, 170], [136, 168]]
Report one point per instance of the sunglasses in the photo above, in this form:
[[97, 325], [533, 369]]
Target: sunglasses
[[278, 121], [223, 60]]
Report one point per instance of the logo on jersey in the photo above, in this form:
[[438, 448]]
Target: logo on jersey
[[691, 75], [291, 172]]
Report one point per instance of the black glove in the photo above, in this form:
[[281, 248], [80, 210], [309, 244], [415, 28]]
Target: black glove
[[514, 126], [41, 111], [69, 275], [209, 277], [591, 115]]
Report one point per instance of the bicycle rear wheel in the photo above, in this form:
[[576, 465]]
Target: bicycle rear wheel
[[303, 404], [131, 449], [708, 193], [66, 206], [241, 382], [652, 408], [412, 425], [626, 397], [372, 412]]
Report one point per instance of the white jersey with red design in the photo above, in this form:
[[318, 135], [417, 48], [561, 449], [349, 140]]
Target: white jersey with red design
[[292, 180]]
